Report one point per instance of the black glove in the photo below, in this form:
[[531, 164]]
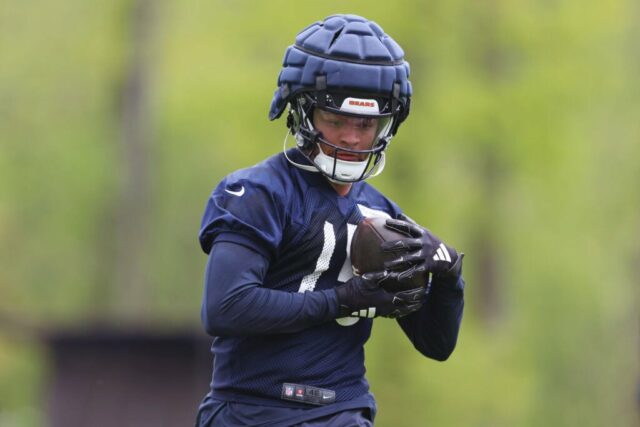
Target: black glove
[[421, 251], [364, 296]]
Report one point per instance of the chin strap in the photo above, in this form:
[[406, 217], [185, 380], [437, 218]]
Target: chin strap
[[380, 166], [308, 168]]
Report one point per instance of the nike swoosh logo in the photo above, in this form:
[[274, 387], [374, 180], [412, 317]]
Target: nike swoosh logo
[[238, 193]]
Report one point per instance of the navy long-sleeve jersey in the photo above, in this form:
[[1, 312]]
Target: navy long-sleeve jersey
[[278, 242]]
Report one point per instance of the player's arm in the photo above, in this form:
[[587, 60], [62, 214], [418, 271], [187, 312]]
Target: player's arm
[[434, 328], [241, 230], [235, 303]]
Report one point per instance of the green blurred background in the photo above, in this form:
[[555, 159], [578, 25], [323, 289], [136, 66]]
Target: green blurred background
[[522, 149]]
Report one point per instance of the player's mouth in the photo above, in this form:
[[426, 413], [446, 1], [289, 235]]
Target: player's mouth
[[349, 157], [344, 154]]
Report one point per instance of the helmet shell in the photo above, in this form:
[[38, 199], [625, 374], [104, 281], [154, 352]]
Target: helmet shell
[[352, 53]]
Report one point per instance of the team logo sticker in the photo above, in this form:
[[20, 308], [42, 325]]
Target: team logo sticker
[[360, 106]]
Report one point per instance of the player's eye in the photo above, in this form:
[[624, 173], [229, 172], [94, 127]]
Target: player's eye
[[367, 124]]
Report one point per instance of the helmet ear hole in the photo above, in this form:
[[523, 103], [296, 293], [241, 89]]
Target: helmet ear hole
[[293, 120]]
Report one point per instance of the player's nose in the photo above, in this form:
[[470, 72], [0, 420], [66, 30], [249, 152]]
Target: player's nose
[[350, 137]]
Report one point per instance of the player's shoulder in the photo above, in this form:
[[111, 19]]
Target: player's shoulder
[[270, 177], [250, 202]]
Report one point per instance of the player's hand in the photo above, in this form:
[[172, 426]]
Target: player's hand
[[421, 250], [364, 296]]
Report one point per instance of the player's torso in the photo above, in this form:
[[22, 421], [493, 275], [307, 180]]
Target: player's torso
[[313, 255]]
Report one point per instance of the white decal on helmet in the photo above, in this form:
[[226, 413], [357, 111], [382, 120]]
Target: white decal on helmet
[[360, 106]]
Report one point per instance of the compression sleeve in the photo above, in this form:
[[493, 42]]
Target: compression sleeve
[[235, 303], [434, 328]]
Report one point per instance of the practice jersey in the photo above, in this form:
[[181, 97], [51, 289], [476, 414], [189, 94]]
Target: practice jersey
[[304, 228]]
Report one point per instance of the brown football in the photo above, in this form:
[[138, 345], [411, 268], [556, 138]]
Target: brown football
[[367, 256]]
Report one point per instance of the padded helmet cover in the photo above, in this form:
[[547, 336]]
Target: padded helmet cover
[[353, 53]]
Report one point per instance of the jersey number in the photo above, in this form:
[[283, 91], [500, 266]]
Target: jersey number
[[309, 281]]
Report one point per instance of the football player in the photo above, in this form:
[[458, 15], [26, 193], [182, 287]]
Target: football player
[[288, 317]]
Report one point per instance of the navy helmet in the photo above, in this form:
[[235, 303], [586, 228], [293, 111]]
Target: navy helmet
[[346, 65]]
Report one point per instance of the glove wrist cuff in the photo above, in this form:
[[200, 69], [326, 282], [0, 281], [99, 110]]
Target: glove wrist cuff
[[453, 273], [344, 311], [342, 296]]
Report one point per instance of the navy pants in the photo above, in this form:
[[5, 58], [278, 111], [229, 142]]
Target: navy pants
[[230, 414], [349, 418]]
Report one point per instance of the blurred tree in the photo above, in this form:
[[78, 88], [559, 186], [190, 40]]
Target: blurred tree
[[131, 286]]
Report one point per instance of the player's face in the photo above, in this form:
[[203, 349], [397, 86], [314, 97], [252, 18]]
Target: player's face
[[353, 133]]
